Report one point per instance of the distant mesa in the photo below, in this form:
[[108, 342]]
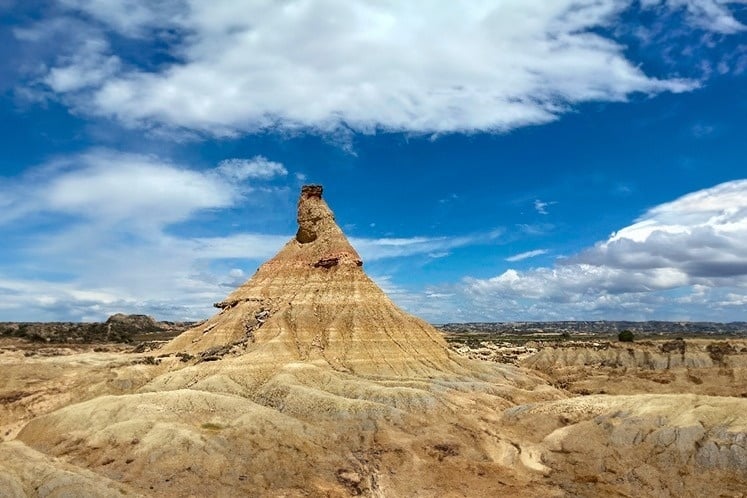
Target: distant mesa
[[143, 322], [117, 328]]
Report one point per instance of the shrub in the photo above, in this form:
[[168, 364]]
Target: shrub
[[625, 336], [211, 426]]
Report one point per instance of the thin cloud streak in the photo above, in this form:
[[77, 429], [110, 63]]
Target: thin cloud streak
[[526, 255]]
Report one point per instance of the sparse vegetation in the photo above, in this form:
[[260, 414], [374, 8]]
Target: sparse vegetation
[[185, 357], [210, 426], [626, 336]]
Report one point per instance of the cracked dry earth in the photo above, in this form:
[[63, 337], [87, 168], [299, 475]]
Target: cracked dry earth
[[309, 381]]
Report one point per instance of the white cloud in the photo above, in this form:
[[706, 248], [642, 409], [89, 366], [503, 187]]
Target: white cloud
[[257, 167], [170, 277], [526, 255], [702, 130], [541, 206], [89, 66], [687, 257], [115, 187], [131, 17], [433, 305], [328, 65], [155, 273], [535, 229], [236, 273], [111, 248], [702, 234]]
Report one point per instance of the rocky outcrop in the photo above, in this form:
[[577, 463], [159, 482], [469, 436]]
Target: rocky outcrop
[[25, 472], [310, 214], [664, 355], [320, 306], [645, 445], [692, 366], [117, 328]]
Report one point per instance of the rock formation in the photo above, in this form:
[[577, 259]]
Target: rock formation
[[117, 328], [309, 381], [313, 302]]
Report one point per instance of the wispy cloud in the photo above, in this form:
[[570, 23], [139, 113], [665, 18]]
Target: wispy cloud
[[433, 247], [134, 189], [702, 130], [713, 15], [536, 228], [541, 206], [526, 255], [257, 167], [231, 74]]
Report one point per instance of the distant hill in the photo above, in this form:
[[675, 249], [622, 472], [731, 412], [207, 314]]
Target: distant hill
[[121, 328], [117, 328], [598, 327]]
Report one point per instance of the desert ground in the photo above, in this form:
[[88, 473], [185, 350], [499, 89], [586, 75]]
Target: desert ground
[[309, 381]]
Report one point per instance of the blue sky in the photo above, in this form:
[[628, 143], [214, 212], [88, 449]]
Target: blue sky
[[491, 160]]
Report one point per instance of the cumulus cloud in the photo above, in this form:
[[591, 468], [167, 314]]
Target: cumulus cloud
[[238, 67], [703, 235], [88, 67], [111, 247], [118, 187], [691, 251]]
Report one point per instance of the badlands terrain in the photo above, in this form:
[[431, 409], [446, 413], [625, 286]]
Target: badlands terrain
[[309, 381]]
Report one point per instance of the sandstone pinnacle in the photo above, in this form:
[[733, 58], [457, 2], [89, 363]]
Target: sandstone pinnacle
[[314, 302]]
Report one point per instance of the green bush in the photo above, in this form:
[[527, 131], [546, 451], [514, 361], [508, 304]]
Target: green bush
[[625, 336], [211, 426]]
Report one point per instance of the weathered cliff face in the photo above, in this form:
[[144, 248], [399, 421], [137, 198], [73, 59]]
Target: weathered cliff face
[[693, 366], [642, 445], [314, 302], [660, 355]]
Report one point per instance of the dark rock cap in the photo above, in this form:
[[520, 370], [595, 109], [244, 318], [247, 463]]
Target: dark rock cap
[[312, 191]]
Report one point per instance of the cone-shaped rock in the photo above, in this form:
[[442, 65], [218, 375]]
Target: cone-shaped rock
[[314, 302]]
